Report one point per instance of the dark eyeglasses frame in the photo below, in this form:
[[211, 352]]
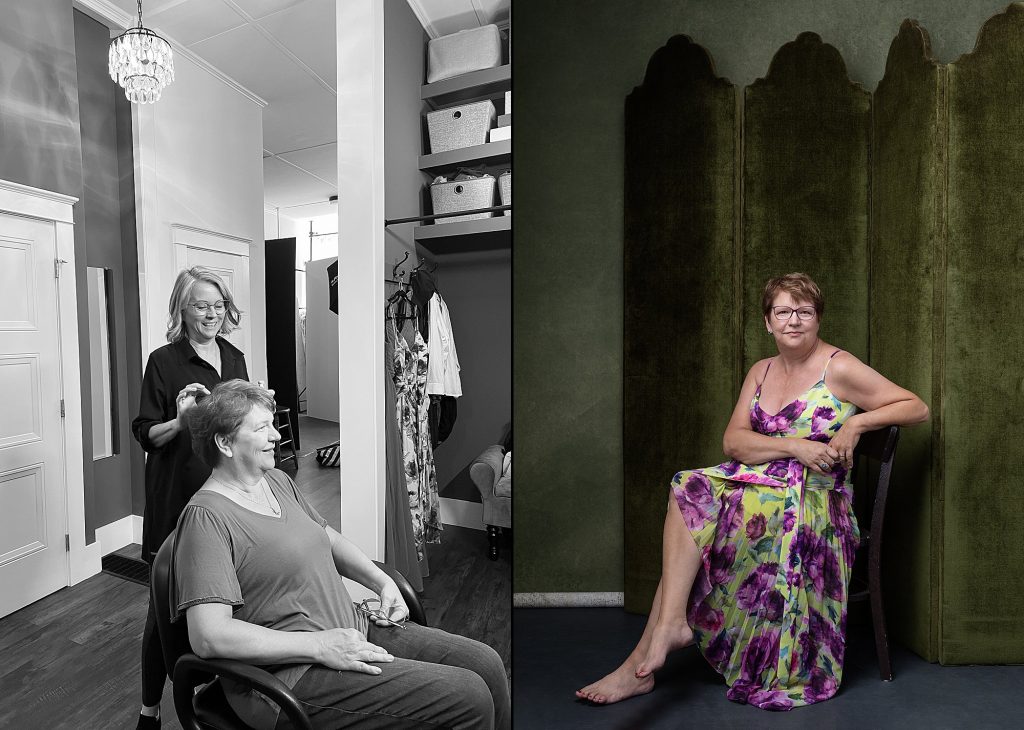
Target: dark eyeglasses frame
[[204, 307], [376, 613]]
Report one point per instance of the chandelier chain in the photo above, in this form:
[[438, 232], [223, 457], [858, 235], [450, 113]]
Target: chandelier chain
[[140, 13]]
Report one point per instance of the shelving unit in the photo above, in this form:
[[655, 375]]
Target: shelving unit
[[490, 153], [486, 84], [484, 233]]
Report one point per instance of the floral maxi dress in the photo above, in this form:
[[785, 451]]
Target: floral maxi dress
[[777, 541]]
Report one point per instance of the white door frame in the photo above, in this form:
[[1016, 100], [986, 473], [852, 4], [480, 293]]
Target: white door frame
[[55, 208]]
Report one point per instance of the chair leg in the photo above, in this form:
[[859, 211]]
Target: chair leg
[[492, 539], [878, 620]]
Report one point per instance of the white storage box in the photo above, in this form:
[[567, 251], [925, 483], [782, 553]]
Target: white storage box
[[449, 197], [500, 133], [505, 186], [459, 53], [460, 126]]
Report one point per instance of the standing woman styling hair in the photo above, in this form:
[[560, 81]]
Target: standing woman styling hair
[[201, 308]]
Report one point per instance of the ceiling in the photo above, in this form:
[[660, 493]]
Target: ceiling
[[284, 51]]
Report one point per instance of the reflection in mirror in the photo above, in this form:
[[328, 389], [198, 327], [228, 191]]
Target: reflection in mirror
[[101, 363]]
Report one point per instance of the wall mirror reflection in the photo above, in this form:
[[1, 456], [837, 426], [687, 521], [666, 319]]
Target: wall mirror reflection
[[102, 364]]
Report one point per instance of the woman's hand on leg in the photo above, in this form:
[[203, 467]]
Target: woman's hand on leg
[[348, 650]]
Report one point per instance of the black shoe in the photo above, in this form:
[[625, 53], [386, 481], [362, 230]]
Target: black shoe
[[148, 723]]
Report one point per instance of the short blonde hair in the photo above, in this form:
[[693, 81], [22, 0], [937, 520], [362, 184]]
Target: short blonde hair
[[182, 292], [799, 286]]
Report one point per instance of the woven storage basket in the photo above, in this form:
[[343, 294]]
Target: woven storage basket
[[505, 186], [449, 197], [468, 50], [460, 126]]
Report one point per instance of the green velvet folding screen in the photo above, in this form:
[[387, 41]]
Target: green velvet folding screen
[[905, 206], [680, 298]]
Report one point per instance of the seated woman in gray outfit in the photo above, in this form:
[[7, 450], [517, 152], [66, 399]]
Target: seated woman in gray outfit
[[256, 571]]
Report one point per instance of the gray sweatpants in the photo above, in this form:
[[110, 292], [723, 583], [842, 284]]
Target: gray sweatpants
[[437, 680]]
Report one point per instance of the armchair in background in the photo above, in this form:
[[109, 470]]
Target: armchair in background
[[492, 474]]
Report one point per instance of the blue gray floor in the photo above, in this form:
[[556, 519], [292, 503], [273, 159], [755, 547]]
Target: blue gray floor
[[557, 650]]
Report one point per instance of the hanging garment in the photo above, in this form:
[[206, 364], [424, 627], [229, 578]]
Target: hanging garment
[[443, 364], [410, 377], [399, 539], [777, 541], [423, 286]]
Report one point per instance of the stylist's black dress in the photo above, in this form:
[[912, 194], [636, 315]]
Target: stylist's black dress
[[173, 472]]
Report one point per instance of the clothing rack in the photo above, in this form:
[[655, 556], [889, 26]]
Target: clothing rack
[[435, 216]]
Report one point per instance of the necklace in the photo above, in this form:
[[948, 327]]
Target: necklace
[[242, 493]]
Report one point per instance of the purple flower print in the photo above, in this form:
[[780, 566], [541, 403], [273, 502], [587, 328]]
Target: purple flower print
[[730, 519], [778, 469], [823, 633], [809, 648], [730, 468], [759, 654], [755, 585], [719, 649], [796, 473], [822, 419], [756, 526], [783, 420], [819, 565], [721, 564], [788, 520], [773, 604], [793, 577], [694, 498], [706, 617], [842, 520], [822, 686], [770, 699]]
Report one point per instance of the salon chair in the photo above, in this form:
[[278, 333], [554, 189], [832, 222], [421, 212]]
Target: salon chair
[[208, 707], [873, 458]]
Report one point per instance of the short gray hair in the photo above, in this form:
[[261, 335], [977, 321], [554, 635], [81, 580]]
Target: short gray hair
[[221, 414]]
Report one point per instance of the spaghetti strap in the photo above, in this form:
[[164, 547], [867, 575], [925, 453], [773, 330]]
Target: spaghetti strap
[[763, 377], [828, 363]]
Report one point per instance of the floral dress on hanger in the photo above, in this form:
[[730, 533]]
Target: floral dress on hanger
[[410, 376]]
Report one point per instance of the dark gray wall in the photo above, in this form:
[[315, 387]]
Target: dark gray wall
[[39, 129], [575, 63], [404, 43], [478, 291], [101, 226]]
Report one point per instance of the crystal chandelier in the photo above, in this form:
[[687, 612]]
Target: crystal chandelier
[[140, 61]]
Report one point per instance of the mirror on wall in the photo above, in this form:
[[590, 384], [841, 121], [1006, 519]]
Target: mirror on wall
[[102, 364]]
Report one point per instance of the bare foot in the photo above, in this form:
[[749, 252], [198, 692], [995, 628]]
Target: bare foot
[[667, 636], [617, 686]]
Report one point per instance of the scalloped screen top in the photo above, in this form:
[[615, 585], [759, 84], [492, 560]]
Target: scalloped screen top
[[680, 62]]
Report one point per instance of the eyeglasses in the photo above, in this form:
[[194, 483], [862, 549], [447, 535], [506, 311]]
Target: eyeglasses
[[372, 608], [783, 314], [203, 307]]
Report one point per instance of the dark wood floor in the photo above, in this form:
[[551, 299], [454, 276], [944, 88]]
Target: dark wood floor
[[71, 660]]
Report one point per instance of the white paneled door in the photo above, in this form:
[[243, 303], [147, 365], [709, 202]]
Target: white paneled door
[[33, 556]]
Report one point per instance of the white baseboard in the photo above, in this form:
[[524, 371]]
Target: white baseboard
[[461, 513], [119, 534], [567, 600]]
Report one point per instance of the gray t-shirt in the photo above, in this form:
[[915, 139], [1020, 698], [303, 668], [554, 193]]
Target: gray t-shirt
[[273, 571]]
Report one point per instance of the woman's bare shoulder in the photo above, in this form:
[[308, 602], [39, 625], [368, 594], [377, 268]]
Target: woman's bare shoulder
[[757, 370]]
